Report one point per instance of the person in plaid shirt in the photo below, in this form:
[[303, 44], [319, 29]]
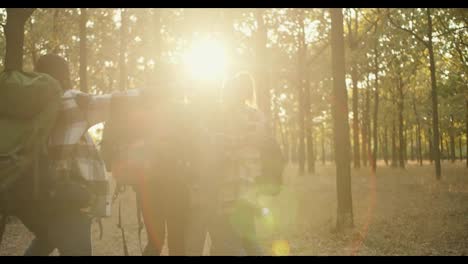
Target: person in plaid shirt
[[75, 187]]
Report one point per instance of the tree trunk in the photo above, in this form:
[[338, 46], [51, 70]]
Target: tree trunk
[[412, 156], [323, 145], [452, 139], [466, 128], [55, 39], [442, 149], [424, 147], [294, 151], [435, 111], [394, 147], [418, 133], [310, 152], [261, 81], [365, 130], [369, 139], [308, 131], [385, 145], [340, 123], [123, 50], [301, 149], [401, 140], [460, 147], [376, 111], [301, 53], [356, 154], [284, 140], [32, 46], [14, 37], [83, 51], [405, 143], [419, 145], [364, 144], [431, 151], [448, 147], [308, 121]]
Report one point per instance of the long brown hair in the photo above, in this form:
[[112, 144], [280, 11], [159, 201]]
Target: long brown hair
[[243, 84]]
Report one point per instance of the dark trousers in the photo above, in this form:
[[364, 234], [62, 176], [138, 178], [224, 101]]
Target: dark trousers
[[165, 201], [235, 234], [67, 229], [69, 232], [232, 233]]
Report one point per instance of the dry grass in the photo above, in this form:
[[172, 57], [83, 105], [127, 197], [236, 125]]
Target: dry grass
[[396, 212]]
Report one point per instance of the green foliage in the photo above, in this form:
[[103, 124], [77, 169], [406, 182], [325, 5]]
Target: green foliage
[[158, 37]]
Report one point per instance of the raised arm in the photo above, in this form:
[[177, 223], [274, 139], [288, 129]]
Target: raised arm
[[100, 106]]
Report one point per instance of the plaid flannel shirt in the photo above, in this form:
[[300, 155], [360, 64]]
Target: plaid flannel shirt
[[70, 144], [237, 138]]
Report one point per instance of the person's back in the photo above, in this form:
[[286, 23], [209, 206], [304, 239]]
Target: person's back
[[239, 139], [164, 195]]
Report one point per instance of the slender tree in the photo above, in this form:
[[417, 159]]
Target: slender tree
[[83, 51], [340, 122]]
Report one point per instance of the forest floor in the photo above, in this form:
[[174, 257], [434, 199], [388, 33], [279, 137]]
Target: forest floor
[[396, 212]]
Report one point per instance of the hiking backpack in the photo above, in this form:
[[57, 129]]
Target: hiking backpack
[[29, 105]]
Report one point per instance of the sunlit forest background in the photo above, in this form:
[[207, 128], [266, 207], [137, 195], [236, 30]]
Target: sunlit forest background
[[407, 92]]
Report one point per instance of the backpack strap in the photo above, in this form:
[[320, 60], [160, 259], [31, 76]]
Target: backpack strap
[[36, 178], [140, 222], [101, 228], [119, 188], [119, 225]]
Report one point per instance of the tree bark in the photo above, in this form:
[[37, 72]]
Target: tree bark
[[394, 147], [356, 154], [340, 123], [308, 131], [460, 147], [447, 145], [32, 46], [376, 111], [401, 140], [365, 130], [411, 132], [364, 144], [301, 147], [435, 110], [385, 145], [301, 53], [123, 78], [394, 113], [284, 139], [323, 145], [442, 149], [83, 51], [418, 132], [430, 143], [14, 37], [293, 134], [261, 64], [452, 139], [466, 128]]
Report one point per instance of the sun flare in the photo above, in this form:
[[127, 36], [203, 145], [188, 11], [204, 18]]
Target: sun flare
[[206, 59]]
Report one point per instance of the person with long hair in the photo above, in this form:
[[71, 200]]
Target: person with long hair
[[232, 146]]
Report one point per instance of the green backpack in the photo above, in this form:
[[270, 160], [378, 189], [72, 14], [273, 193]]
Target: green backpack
[[29, 104]]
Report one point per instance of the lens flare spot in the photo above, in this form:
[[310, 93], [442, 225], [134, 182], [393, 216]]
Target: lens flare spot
[[280, 248]]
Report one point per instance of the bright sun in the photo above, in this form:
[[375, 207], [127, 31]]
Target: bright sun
[[206, 59]]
